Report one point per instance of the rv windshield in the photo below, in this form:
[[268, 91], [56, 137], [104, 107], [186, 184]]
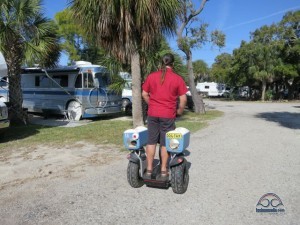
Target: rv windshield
[[103, 79]]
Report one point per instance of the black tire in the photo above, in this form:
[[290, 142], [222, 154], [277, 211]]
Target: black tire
[[128, 110], [191, 107], [133, 175], [125, 102], [179, 178]]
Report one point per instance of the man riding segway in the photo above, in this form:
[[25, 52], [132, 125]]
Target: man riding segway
[[161, 91]]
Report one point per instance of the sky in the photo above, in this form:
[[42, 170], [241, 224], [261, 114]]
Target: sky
[[235, 18]]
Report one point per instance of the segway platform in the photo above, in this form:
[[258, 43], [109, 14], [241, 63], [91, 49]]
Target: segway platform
[[154, 181]]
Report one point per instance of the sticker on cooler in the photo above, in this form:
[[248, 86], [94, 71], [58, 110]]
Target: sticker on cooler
[[177, 140]]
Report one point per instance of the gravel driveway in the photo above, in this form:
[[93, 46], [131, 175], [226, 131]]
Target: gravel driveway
[[252, 150]]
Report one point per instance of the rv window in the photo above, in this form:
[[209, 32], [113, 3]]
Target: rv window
[[37, 81], [88, 80], [78, 83], [103, 79], [62, 80], [206, 87], [44, 82], [128, 85]]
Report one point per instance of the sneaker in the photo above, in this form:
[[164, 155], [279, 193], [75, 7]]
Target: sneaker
[[147, 175], [163, 176]]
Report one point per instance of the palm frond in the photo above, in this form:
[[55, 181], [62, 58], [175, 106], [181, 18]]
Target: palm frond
[[122, 27]]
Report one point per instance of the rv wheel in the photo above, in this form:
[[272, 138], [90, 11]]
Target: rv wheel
[[74, 111]]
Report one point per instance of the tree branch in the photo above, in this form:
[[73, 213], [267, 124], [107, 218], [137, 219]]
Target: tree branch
[[192, 15], [189, 18]]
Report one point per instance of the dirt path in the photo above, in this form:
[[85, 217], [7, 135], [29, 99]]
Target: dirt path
[[252, 150], [24, 165]]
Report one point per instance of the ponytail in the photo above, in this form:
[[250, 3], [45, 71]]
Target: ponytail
[[167, 60], [162, 77]]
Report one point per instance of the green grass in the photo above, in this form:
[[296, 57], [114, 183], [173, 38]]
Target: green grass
[[97, 132], [194, 122]]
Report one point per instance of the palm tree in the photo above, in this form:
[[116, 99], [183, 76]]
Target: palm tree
[[26, 37], [124, 29]]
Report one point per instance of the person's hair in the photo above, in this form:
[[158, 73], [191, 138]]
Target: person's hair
[[167, 60]]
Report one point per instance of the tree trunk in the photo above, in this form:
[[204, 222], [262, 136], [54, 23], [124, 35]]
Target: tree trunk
[[186, 49], [276, 91], [197, 99], [293, 88], [136, 90], [263, 90], [250, 93], [16, 113]]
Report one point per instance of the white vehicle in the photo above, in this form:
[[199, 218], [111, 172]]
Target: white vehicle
[[3, 77], [79, 91], [3, 89], [4, 122], [211, 89], [127, 93]]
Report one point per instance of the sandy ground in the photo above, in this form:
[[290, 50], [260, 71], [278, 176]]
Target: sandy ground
[[26, 165], [250, 151]]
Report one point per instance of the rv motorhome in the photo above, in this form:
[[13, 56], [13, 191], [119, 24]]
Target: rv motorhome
[[79, 91], [212, 89]]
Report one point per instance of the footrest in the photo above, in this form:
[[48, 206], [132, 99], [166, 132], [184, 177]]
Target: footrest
[[157, 183]]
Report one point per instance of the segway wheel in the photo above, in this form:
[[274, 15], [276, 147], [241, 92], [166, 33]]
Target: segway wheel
[[133, 175], [179, 178]]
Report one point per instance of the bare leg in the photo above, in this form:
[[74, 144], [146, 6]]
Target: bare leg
[[164, 158], [150, 150]]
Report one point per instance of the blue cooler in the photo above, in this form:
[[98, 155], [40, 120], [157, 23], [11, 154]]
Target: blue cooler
[[134, 139], [177, 140]]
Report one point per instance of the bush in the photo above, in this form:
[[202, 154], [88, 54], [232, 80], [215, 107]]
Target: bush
[[269, 95]]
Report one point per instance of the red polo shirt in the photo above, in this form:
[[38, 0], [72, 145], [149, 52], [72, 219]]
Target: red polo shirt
[[163, 97]]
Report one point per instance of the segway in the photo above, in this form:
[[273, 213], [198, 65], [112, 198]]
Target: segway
[[177, 141]]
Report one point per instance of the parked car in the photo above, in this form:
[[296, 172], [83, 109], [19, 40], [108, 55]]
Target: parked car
[[128, 110], [4, 121], [190, 103], [127, 94]]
